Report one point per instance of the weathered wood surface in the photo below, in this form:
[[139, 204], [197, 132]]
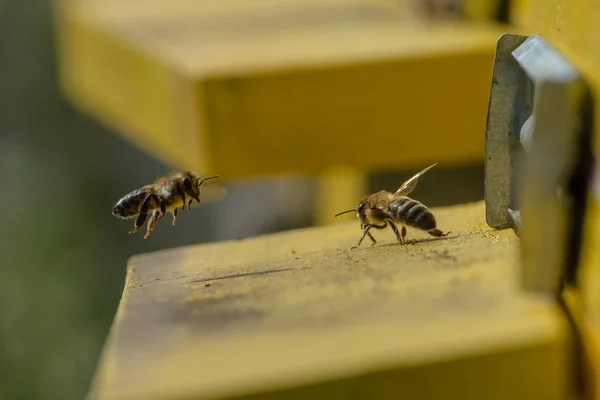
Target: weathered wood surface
[[299, 312]]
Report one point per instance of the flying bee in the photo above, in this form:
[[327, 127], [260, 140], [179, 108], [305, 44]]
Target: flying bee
[[383, 208], [169, 193]]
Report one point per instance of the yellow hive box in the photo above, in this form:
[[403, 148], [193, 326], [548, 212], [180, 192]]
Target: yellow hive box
[[247, 88]]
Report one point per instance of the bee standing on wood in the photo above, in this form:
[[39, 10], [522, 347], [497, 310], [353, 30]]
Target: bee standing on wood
[[167, 194], [383, 208]]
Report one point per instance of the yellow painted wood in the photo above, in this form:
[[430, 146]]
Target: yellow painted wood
[[338, 189], [584, 303], [300, 315], [573, 26], [247, 88], [482, 10]]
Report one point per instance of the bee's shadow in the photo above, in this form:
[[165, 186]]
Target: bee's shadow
[[417, 241]]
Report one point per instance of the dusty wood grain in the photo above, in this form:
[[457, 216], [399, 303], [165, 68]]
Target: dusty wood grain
[[300, 312]]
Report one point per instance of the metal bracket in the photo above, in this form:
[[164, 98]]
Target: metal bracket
[[538, 137], [509, 107]]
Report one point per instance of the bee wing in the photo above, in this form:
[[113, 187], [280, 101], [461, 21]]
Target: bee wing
[[212, 193], [411, 184]]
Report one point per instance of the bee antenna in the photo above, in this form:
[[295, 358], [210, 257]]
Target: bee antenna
[[344, 212], [199, 181]]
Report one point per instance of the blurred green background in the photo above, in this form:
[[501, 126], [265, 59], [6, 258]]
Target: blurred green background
[[63, 255]]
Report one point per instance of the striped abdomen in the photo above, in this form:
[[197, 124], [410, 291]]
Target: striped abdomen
[[129, 205], [412, 213]]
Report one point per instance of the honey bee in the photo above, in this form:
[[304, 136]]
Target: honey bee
[[169, 193], [383, 208]]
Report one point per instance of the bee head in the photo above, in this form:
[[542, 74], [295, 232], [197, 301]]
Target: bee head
[[361, 211], [191, 183]]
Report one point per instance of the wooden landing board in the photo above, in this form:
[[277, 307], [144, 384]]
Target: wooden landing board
[[299, 314]]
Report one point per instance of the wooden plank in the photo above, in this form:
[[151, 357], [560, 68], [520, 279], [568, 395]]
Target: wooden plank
[[242, 89], [300, 314]]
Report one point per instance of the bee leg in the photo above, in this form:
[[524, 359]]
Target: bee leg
[[163, 210], [372, 239], [437, 233], [366, 232], [152, 223], [396, 232], [403, 233], [189, 205], [141, 218], [175, 212], [139, 222]]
